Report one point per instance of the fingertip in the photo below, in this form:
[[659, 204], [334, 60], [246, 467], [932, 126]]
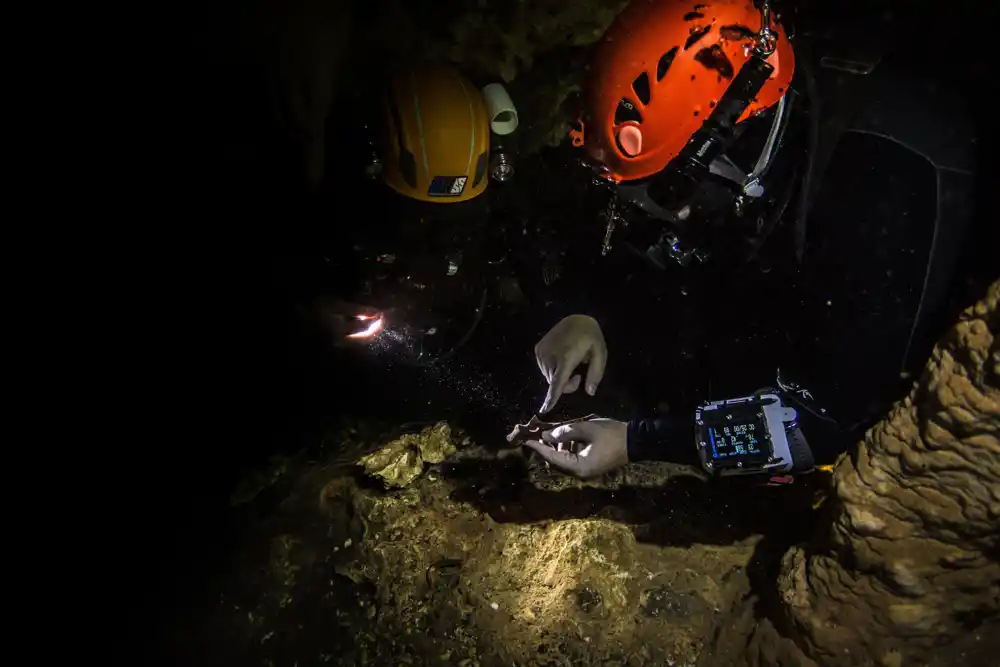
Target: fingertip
[[593, 381], [551, 398]]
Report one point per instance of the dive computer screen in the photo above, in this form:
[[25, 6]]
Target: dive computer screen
[[737, 440], [743, 436]]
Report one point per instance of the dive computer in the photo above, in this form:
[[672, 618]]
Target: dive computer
[[751, 435]]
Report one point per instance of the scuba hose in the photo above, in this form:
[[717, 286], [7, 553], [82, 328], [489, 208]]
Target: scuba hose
[[422, 361]]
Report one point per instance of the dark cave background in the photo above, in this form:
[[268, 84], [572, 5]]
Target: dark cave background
[[236, 383]]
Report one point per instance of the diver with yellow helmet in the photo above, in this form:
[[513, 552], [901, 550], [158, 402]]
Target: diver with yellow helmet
[[429, 254], [437, 135]]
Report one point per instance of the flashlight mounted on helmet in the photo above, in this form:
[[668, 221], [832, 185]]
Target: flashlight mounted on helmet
[[667, 89], [715, 135], [693, 164], [503, 122]]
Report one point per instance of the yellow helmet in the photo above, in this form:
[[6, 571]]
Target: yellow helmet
[[437, 141]]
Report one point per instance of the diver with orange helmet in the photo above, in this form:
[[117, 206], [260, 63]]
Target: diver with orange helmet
[[691, 75], [673, 88], [677, 88]]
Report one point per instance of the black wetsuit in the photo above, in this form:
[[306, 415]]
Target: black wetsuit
[[668, 438]]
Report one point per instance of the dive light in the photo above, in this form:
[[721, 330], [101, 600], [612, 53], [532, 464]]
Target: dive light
[[679, 183]]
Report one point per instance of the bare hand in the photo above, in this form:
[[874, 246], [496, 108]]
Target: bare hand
[[601, 444], [575, 340]]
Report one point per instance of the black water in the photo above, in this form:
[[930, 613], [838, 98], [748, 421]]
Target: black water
[[252, 384]]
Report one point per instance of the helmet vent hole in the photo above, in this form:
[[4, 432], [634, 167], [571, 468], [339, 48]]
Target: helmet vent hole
[[480, 170], [397, 122], [697, 34], [666, 60], [736, 33], [714, 58], [641, 88], [626, 111], [408, 168]]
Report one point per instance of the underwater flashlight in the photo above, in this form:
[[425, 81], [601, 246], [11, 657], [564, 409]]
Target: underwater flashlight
[[693, 164], [501, 167], [370, 325]]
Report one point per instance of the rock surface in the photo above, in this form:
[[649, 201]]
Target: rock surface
[[906, 562], [491, 38], [489, 558], [402, 460], [481, 560]]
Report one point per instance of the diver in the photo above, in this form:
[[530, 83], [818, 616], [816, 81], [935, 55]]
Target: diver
[[670, 98], [686, 108], [426, 264]]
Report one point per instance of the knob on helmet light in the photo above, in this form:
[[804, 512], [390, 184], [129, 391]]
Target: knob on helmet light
[[630, 140], [501, 167]]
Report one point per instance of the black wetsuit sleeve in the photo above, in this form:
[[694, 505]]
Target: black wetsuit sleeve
[[662, 439]]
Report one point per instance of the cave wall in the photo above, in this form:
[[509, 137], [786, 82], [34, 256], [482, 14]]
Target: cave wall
[[539, 50], [284, 77], [904, 568]]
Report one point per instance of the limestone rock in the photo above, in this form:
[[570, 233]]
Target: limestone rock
[[402, 460], [583, 590], [489, 37], [477, 561], [907, 561]]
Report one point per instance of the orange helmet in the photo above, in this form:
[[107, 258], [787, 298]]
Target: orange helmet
[[659, 71]]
